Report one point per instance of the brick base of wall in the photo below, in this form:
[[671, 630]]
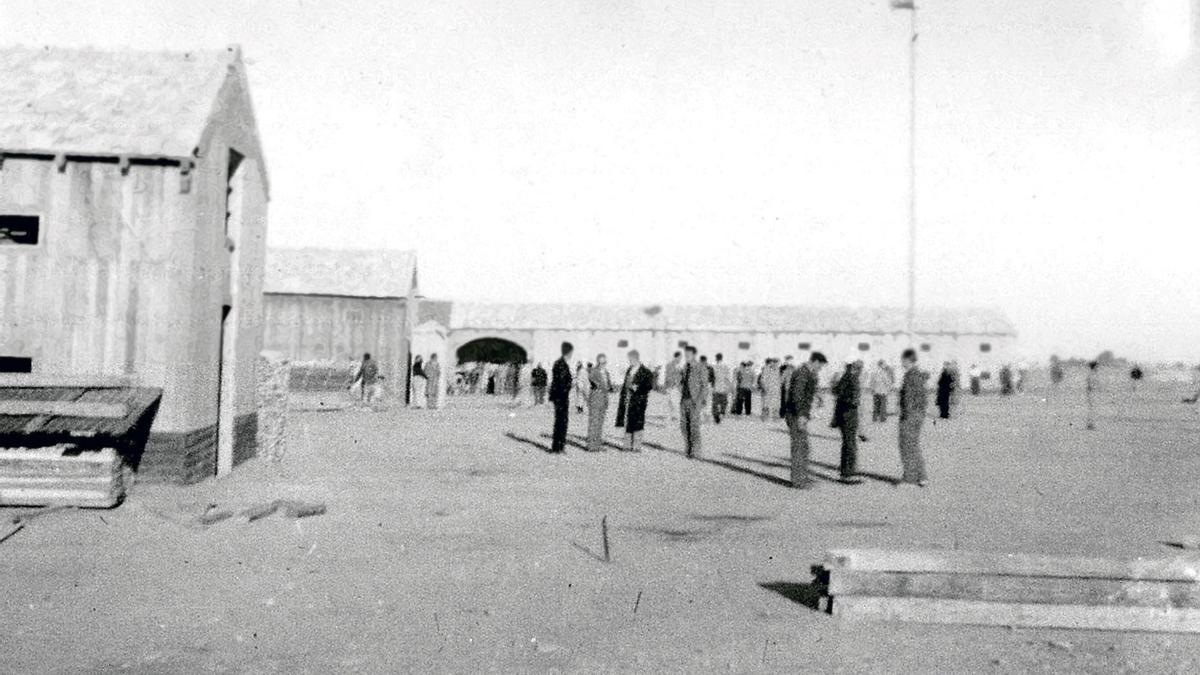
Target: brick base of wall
[[245, 438], [186, 458]]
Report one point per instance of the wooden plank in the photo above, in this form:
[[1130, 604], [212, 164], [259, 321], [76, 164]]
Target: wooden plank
[[55, 454], [40, 496], [980, 613], [66, 482], [1179, 568], [1016, 589], [86, 409]]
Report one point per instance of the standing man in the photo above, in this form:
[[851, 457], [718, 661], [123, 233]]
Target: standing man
[[745, 385], [945, 391], [433, 384], [693, 390], [769, 384], [514, 380], [881, 385], [635, 397], [913, 401], [706, 405], [671, 375], [785, 376], [537, 381], [801, 391], [1006, 380], [560, 397], [601, 386], [722, 384], [845, 418], [419, 383], [976, 376], [368, 376]]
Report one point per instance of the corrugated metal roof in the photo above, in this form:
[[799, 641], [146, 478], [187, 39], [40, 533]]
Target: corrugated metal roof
[[350, 273], [92, 102], [758, 318], [16, 429]]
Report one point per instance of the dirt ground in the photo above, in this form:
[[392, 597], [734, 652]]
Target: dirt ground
[[454, 543]]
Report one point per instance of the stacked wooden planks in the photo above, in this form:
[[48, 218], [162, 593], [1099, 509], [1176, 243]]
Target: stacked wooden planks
[[953, 587], [61, 474]]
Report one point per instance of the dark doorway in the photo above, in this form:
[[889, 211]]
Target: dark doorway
[[490, 350]]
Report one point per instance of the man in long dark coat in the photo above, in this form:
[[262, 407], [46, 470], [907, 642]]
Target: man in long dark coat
[[848, 391], [693, 392], [538, 380], [801, 391], [635, 397], [913, 402], [945, 391], [785, 376], [1006, 380], [560, 396]]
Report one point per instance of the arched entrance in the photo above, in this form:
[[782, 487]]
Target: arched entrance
[[491, 350]]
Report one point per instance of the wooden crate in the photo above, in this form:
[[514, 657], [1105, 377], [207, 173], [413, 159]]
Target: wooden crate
[[61, 475], [955, 587]]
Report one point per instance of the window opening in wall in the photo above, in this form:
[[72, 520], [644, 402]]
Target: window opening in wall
[[622, 343], [19, 230], [925, 347], [804, 346], [864, 346], [743, 345], [985, 347], [16, 364]]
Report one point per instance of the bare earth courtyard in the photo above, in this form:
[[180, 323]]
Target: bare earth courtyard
[[453, 542]]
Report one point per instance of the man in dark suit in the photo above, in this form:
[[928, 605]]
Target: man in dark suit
[[799, 392], [693, 392], [560, 396], [913, 402]]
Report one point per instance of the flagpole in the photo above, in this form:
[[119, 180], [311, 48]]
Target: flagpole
[[912, 172]]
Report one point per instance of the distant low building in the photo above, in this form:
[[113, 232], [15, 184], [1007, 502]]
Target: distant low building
[[325, 308], [133, 216], [500, 331]]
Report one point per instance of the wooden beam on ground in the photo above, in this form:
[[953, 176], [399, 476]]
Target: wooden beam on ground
[[1016, 589], [87, 409], [1180, 568], [980, 613]]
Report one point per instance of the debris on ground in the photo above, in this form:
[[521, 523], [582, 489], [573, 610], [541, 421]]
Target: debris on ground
[[296, 509], [214, 515], [1188, 543], [291, 508], [260, 511]]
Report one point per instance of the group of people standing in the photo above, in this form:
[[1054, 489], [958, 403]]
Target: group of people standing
[[694, 389], [426, 383], [598, 387]]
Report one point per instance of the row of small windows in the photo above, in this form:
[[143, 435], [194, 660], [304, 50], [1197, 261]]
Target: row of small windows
[[806, 346]]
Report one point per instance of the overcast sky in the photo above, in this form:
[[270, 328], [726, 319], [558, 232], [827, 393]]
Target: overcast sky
[[725, 152]]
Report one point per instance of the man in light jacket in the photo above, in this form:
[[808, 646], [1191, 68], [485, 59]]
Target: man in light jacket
[[881, 386]]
